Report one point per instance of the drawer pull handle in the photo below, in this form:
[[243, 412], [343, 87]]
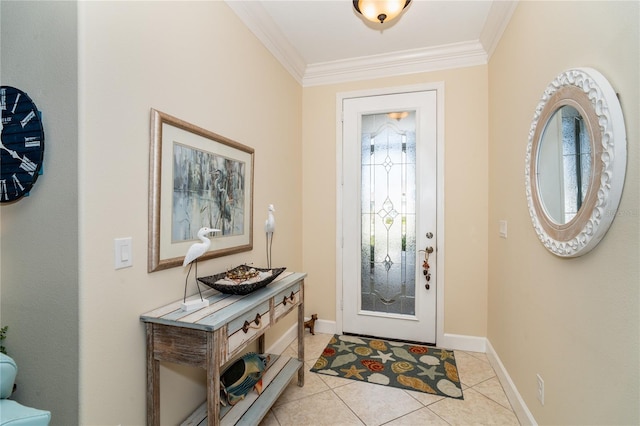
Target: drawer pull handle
[[247, 325], [291, 298]]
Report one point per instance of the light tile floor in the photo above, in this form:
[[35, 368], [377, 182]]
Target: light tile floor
[[326, 400]]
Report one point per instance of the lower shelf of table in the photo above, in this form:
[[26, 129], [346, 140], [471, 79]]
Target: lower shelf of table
[[253, 407]]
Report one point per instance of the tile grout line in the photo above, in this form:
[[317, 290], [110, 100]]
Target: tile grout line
[[423, 407], [488, 397], [349, 407]]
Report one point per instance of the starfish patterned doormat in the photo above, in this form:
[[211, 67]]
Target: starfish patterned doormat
[[401, 365]]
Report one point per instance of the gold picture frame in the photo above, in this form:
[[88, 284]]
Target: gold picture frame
[[196, 178]]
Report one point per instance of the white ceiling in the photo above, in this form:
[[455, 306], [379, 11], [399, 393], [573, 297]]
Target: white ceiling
[[327, 41]]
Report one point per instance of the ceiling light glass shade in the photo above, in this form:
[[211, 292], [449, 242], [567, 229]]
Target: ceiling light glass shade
[[380, 10], [398, 115]]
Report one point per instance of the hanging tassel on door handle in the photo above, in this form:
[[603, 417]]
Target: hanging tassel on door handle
[[425, 266]]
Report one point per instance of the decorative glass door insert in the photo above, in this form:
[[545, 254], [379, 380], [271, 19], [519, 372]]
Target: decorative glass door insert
[[388, 212]]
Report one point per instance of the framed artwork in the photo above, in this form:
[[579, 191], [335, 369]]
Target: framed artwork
[[196, 178]]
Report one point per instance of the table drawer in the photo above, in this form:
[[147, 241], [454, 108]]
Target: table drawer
[[286, 300], [244, 328]]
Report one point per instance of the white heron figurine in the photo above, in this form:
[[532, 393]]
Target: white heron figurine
[[195, 251], [269, 228]]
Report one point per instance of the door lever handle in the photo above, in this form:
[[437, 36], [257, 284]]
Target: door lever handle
[[427, 251]]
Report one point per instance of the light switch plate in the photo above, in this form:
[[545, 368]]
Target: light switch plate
[[123, 252], [502, 228]]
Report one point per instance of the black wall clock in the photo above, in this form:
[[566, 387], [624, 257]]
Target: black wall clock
[[22, 147]]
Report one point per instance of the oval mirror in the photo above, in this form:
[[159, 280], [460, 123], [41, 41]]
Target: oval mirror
[[564, 164], [576, 162]]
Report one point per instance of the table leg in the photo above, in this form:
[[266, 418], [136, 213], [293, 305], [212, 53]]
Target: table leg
[[213, 380], [301, 335], [153, 381]]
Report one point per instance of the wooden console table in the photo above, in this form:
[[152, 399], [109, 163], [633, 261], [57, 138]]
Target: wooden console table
[[210, 337]]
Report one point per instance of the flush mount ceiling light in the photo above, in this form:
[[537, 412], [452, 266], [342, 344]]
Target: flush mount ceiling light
[[380, 10]]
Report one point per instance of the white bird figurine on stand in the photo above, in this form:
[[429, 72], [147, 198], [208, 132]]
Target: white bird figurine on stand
[[269, 227], [195, 251]]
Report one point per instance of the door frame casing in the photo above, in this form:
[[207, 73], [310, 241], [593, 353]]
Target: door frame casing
[[438, 87]]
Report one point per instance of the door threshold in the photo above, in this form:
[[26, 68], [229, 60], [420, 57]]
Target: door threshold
[[391, 339]]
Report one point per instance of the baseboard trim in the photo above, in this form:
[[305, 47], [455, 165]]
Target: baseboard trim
[[279, 346], [284, 341], [517, 403], [448, 341], [324, 326], [462, 343]]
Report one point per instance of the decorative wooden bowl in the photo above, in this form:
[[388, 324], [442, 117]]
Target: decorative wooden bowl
[[240, 288]]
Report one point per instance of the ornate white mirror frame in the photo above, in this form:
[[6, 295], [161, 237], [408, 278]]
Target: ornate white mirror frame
[[590, 93]]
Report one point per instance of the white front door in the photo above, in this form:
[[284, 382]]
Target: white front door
[[389, 216]]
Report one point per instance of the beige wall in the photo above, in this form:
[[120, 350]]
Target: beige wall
[[39, 233], [198, 62], [573, 321], [466, 193]]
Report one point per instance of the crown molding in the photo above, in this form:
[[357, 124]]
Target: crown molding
[[412, 61], [499, 16], [457, 55], [256, 18]]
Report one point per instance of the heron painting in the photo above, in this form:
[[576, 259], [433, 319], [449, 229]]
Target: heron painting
[[208, 190]]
